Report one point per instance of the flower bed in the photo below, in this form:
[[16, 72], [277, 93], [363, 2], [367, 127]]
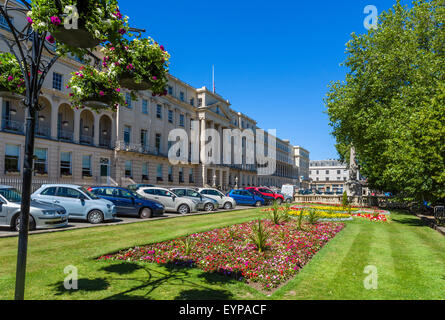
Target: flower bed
[[229, 251]]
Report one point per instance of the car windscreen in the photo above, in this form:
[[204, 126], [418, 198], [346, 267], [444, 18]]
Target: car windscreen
[[89, 194], [12, 195]]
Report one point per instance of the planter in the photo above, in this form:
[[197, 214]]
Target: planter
[[97, 102], [78, 38], [127, 80]]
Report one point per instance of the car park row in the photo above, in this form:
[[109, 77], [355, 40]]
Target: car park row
[[53, 205]]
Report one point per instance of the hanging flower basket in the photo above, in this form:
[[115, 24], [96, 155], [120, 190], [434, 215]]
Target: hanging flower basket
[[78, 38], [95, 89], [88, 23], [139, 64], [128, 80], [12, 84]]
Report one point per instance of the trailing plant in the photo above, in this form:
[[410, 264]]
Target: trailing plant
[[90, 84], [100, 18], [259, 236], [11, 77], [143, 61]]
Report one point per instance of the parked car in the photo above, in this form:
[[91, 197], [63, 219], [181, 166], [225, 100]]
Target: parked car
[[268, 192], [135, 187], [169, 200], [287, 198], [204, 203], [77, 201], [224, 202], [129, 203], [41, 215], [245, 197], [267, 199]]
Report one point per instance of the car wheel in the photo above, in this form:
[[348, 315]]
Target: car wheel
[[258, 204], [227, 206], [95, 217], [183, 209], [31, 223], [279, 201], [145, 213], [289, 200], [209, 207]]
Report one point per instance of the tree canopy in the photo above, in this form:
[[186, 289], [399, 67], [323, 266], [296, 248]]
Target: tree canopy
[[391, 106]]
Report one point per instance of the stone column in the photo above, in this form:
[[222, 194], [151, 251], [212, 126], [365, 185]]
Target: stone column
[[76, 126], [54, 121], [96, 129]]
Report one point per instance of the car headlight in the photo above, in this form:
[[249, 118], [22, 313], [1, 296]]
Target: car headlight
[[49, 212], [109, 206]]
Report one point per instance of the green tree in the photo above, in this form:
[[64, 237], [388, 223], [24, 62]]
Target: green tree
[[391, 104]]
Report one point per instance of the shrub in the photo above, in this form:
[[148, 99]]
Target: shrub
[[11, 77], [345, 200]]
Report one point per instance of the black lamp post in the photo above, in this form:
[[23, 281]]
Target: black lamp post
[[27, 46]]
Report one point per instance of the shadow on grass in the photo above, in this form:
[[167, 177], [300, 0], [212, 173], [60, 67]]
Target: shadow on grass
[[83, 285], [176, 277], [410, 221]]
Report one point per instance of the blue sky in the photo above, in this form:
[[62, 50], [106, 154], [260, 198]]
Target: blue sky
[[273, 59]]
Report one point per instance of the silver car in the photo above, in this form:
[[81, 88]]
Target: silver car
[[42, 215], [170, 200], [224, 202], [204, 203]]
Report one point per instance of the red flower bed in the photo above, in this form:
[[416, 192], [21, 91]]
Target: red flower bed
[[229, 251]]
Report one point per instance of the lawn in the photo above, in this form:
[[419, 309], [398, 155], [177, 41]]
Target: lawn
[[410, 259]]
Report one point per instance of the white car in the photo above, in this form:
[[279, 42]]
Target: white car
[[224, 202], [170, 200]]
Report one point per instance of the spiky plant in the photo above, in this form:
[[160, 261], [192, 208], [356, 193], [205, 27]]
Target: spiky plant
[[259, 236]]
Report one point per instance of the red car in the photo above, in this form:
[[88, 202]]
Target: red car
[[267, 192]]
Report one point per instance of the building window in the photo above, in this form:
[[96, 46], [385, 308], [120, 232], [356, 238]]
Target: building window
[[327, 171], [199, 102], [181, 175], [4, 24], [170, 116], [181, 96], [158, 142], [145, 171], [12, 158], [181, 120], [144, 138], [170, 90], [170, 174], [127, 135], [128, 169], [40, 162], [338, 171], [65, 164], [191, 177], [159, 176], [144, 106], [128, 100], [192, 101], [159, 111], [57, 81], [217, 109], [86, 166]]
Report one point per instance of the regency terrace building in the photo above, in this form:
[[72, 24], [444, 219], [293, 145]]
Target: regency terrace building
[[131, 145]]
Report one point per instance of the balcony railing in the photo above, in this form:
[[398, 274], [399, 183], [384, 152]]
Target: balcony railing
[[66, 135], [86, 139], [105, 143], [13, 126], [43, 131], [137, 147]]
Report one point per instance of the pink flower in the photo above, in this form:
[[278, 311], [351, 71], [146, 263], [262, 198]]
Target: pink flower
[[118, 90], [102, 93], [29, 20], [162, 48], [154, 78], [10, 78], [122, 31], [50, 39], [130, 67], [55, 20]]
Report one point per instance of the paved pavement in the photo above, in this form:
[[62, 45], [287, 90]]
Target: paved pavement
[[5, 232]]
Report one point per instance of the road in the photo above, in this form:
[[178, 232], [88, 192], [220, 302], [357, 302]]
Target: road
[[6, 232]]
